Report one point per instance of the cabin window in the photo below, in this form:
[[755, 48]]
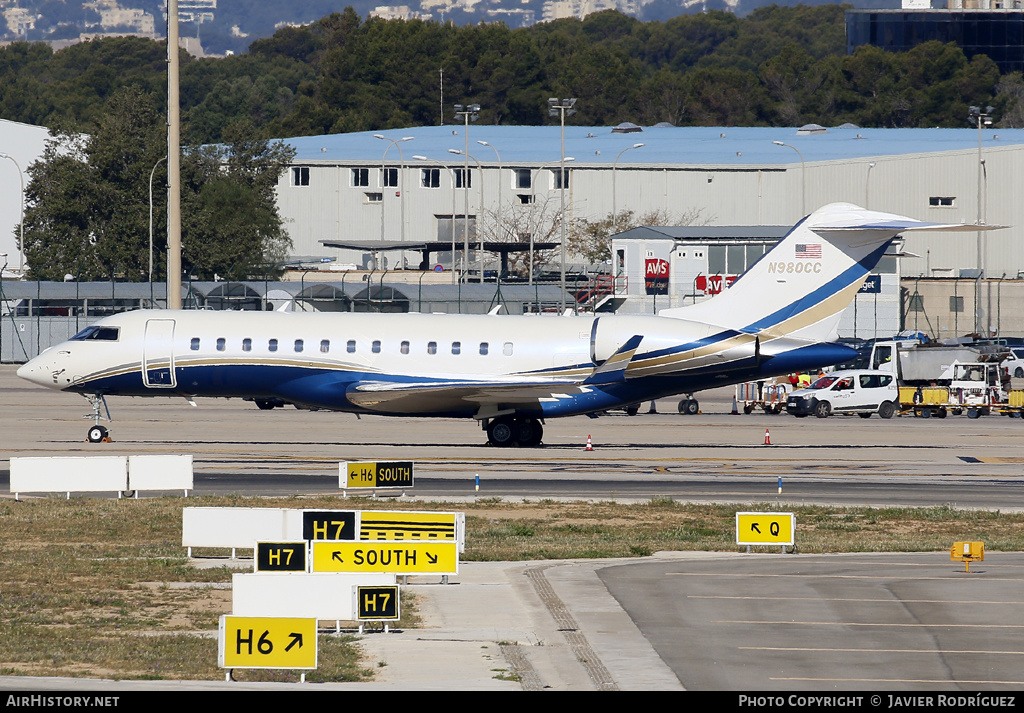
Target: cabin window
[[431, 347], [298, 345], [456, 347], [375, 347], [325, 346], [272, 345], [221, 343], [483, 348], [194, 346], [405, 347], [351, 346], [247, 345], [507, 349]]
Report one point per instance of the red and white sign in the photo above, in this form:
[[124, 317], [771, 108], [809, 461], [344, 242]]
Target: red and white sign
[[656, 276], [713, 284]]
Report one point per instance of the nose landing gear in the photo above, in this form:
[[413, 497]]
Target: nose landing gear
[[97, 433]]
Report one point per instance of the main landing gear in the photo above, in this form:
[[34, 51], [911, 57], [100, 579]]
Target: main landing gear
[[506, 431], [97, 433]]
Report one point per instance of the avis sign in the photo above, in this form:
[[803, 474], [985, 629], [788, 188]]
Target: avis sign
[[713, 284], [656, 276]]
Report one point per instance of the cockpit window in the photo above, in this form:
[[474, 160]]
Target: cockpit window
[[97, 334]]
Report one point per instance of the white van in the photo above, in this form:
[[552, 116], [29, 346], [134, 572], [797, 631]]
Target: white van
[[859, 391]]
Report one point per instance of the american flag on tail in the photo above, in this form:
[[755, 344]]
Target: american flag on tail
[[808, 250]]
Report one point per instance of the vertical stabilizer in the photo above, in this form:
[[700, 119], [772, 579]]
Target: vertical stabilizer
[[801, 286]]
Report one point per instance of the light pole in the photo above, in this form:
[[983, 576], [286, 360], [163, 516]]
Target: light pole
[[479, 234], [628, 148], [803, 178], [867, 180], [452, 173], [559, 107], [980, 118], [469, 112], [383, 182], [151, 174], [498, 155], [21, 222], [533, 189]]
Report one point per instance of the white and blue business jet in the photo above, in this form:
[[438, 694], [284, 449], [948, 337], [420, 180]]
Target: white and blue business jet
[[510, 373]]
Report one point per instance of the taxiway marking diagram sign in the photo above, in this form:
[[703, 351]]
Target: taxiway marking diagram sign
[[377, 604], [267, 642], [377, 475], [407, 526], [388, 557], [765, 528]]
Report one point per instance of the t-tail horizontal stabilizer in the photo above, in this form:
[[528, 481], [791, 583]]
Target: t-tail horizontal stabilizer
[[614, 368]]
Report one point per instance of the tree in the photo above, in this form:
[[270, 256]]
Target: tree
[[87, 199], [592, 239], [230, 224]]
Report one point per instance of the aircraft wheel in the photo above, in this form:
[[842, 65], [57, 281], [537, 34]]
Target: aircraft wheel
[[689, 407], [264, 405], [632, 409], [97, 434], [528, 432], [500, 433], [823, 409]]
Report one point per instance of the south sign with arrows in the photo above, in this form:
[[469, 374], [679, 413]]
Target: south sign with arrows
[[386, 557], [765, 528]]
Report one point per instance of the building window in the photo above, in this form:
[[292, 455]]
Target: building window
[[463, 178], [272, 345], [374, 197], [390, 177], [430, 177], [956, 303], [916, 303], [325, 346], [522, 178], [360, 177], [941, 201], [300, 175], [526, 198], [247, 345], [560, 179]]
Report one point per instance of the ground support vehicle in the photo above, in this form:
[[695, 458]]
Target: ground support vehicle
[[859, 391], [770, 398], [976, 389]]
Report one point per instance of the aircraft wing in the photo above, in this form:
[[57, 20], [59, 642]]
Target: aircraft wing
[[474, 396], [489, 395]]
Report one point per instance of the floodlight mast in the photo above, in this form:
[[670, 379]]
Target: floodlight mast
[[562, 108]]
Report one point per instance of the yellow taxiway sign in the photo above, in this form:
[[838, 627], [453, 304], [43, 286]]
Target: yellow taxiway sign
[[389, 557], [267, 642]]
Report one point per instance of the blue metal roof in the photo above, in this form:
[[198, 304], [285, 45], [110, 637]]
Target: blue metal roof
[[598, 146]]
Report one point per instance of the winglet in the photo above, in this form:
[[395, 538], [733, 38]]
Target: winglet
[[614, 368]]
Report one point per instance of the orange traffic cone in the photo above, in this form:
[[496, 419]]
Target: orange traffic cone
[[735, 407], [590, 444], [767, 438]]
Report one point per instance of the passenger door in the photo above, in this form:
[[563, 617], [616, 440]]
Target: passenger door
[[158, 355]]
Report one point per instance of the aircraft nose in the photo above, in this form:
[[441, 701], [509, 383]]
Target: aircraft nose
[[37, 371]]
